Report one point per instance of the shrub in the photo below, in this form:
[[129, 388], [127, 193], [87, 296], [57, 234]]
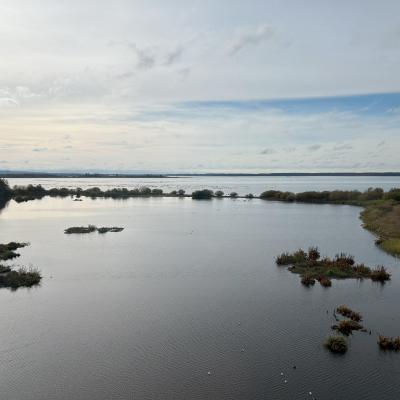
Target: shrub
[[157, 192], [219, 193], [313, 253], [336, 344], [80, 229], [181, 192], [249, 196], [233, 195], [204, 194]]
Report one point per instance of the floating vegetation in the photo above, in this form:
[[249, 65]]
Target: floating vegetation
[[310, 266], [92, 228], [7, 251], [349, 313], [387, 343], [336, 344], [347, 326]]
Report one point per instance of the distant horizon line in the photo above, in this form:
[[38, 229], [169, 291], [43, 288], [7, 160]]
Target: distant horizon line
[[66, 174]]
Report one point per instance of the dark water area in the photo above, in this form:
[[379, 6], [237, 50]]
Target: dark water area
[[189, 287]]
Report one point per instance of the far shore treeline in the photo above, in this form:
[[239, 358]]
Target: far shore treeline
[[381, 214]]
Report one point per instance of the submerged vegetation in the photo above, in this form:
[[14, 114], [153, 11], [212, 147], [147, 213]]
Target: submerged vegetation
[[92, 228], [311, 267], [336, 344]]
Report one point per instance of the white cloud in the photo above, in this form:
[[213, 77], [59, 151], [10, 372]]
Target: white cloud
[[250, 38]]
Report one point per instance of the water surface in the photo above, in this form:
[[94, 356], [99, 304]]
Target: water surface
[[189, 287]]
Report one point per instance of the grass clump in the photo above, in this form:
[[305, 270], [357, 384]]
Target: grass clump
[[380, 274], [387, 343], [349, 313], [310, 265], [307, 280], [105, 229], [347, 326], [336, 344]]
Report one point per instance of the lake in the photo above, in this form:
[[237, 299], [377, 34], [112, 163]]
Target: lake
[[191, 287], [240, 184]]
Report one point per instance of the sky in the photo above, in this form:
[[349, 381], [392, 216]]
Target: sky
[[200, 86]]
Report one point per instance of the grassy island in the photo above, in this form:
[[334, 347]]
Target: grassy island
[[7, 251], [22, 277], [311, 267], [92, 228]]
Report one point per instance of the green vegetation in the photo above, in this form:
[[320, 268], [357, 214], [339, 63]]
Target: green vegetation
[[234, 195], [7, 251], [310, 266], [91, 228], [386, 343], [347, 326], [336, 344]]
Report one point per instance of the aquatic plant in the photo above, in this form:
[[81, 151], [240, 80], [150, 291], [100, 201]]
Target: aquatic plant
[[387, 343], [324, 281], [336, 344], [380, 274], [105, 229], [347, 326], [307, 280], [349, 313], [341, 267]]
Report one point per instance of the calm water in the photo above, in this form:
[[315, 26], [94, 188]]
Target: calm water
[[242, 185], [189, 287]]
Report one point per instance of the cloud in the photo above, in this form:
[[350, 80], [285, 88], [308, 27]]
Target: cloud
[[262, 34], [314, 147], [268, 151], [339, 147], [173, 56], [146, 60]]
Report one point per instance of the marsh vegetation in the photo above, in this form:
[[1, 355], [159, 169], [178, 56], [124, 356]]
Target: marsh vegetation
[[336, 344], [311, 267], [91, 228]]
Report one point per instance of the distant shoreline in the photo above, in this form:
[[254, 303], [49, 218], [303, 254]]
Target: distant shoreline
[[10, 174]]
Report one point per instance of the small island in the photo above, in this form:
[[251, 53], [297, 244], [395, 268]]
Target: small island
[[22, 277], [92, 228], [311, 267]]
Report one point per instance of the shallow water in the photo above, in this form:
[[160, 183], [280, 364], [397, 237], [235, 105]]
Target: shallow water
[[189, 287], [239, 184]]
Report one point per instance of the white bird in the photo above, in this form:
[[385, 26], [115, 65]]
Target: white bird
[[209, 373]]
